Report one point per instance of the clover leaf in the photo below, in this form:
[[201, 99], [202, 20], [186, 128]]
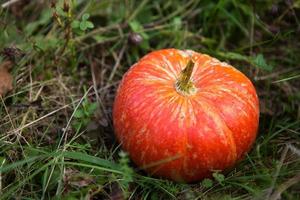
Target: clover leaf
[[84, 23]]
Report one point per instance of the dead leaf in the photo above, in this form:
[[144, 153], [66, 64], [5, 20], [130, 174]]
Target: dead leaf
[[5, 77], [75, 178], [116, 193], [12, 53], [265, 108]]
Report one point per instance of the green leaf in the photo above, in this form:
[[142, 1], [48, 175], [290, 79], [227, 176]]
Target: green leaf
[[145, 44], [219, 177], [207, 183], [89, 24], [44, 44], [79, 113], [100, 38], [260, 62], [75, 24], [136, 26], [127, 171], [44, 20], [31, 27], [77, 126], [50, 178], [46, 16], [177, 23], [44, 178], [145, 36], [91, 159], [2, 161], [83, 25], [85, 16], [60, 11], [91, 108], [233, 56], [14, 165]]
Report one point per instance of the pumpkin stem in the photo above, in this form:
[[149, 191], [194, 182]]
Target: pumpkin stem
[[184, 83]]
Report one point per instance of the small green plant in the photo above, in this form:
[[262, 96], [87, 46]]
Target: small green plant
[[84, 114], [127, 172], [83, 24], [257, 61], [219, 178], [261, 63], [136, 27], [207, 183]]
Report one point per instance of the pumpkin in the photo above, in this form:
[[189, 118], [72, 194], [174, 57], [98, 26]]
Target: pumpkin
[[181, 115]]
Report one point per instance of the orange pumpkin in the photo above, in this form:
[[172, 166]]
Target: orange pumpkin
[[181, 114]]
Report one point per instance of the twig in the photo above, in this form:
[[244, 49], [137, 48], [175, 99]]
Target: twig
[[272, 75], [1, 165], [287, 79], [283, 156], [294, 149], [9, 3], [118, 60], [99, 99], [12, 124], [39, 119], [64, 136], [284, 186]]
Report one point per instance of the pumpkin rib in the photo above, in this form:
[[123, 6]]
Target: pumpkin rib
[[186, 157], [200, 100], [215, 91], [239, 151]]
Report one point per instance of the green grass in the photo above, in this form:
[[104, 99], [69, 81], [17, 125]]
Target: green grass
[[56, 134]]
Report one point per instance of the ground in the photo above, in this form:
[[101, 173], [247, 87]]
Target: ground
[[65, 60]]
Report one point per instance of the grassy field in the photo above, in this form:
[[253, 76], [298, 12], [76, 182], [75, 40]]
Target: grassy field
[[67, 58]]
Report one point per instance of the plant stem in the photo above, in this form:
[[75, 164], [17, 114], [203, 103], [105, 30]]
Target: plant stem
[[184, 83]]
